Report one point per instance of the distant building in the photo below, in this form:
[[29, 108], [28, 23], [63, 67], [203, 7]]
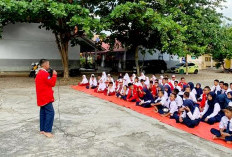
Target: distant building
[[205, 61]]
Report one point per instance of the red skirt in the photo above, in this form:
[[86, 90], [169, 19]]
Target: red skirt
[[85, 84]]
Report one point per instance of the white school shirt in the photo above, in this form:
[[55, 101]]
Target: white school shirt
[[195, 115], [93, 82], [230, 104], [223, 123], [179, 101], [228, 90], [194, 92], [163, 100], [165, 95], [102, 86], [173, 82], [216, 89], [216, 110], [172, 106], [192, 96], [84, 80]]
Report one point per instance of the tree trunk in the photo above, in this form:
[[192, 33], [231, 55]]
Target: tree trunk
[[137, 60], [186, 64], [63, 49]]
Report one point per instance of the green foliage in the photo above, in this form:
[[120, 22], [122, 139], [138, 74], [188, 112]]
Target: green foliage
[[221, 48], [60, 17], [135, 24]]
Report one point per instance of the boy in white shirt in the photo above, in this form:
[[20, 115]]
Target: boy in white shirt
[[172, 107], [216, 88]]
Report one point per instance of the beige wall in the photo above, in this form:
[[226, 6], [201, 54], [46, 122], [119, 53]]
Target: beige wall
[[203, 62]]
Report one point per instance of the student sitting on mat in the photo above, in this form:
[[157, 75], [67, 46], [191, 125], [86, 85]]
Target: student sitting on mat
[[84, 81], [211, 113], [171, 108], [119, 86], [92, 82], [176, 86], [132, 94], [167, 91], [101, 87], [110, 89], [123, 93], [225, 127], [179, 100], [146, 100], [197, 91], [191, 114], [159, 102], [191, 94]]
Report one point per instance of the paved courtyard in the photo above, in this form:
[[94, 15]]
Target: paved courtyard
[[89, 126]]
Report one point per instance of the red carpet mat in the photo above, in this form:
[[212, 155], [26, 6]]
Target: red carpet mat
[[202, 130]]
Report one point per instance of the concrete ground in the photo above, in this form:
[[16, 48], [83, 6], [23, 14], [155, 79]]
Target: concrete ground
[[89, 126]]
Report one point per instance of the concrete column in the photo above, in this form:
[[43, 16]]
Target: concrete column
[[119, 64], [124, 60], [103, 60]]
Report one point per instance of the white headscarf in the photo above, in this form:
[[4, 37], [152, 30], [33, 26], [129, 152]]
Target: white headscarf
[[104, 77], [92, 82], [102, 85], [84, 80], [142, 76], [126, 80], [147, 82]]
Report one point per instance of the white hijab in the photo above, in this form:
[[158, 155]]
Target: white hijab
[[84, 80], [102, 85], [104, 77], [142, 76], [92, 82]]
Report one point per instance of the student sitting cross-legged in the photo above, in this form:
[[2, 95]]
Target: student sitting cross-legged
[[123, 93], [225, 127], [171, 108], [146, 100], [190, 115], [132, 94], [159, 102], [211, 113], [110, 89]]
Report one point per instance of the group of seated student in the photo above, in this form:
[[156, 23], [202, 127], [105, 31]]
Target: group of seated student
[[179, 100]]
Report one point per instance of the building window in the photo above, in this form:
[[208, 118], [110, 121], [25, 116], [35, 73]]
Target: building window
[[208, 59]]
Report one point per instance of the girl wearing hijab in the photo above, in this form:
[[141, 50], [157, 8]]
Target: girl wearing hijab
[[147, 82], [142, 77], [84, 81], [110, 91], [211, 112], [147, 99], [191, 114], [198, 91], [167, 90], [126, 80], [101, 87], [92, 82], [104, 77]]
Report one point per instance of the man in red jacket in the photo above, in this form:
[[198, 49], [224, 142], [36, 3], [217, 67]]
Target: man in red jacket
[[44, 83]]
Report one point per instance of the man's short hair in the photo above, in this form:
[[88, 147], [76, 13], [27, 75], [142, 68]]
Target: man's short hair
[[186, 94], [226, 84], [221, 82], [175, 81], [207, 87], [216, 80], [42, 61]]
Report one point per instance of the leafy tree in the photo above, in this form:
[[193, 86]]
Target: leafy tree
[[63, 17], [221, 48], [201, 19], [136, 25]]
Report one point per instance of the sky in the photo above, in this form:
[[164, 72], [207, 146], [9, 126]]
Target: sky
[[227, 11]]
